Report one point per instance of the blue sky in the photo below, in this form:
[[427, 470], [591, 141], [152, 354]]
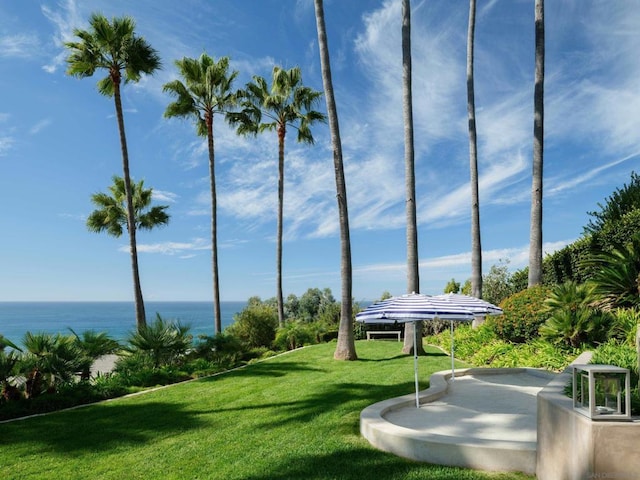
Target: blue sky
[[59, 144]]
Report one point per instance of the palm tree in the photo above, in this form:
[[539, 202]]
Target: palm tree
[[286, 103], [346, 348], [92, 346], [535, 237], [206, 91], [114, 47], [476, 244], [112, 213], [413, 274]]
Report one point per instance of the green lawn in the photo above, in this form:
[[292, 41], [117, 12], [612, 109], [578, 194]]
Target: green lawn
[[295, 416]]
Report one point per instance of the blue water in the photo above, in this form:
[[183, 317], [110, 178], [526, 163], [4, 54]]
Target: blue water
[[115, 318]]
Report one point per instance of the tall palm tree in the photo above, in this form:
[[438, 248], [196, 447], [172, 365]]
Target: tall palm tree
[[413, 274], [112, 214], [114, 47], [476, 244], [535, 237], [286, 103], [206, 91], [346, 348]]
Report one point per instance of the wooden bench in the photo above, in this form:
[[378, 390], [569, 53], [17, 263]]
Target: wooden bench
[[384, 332]]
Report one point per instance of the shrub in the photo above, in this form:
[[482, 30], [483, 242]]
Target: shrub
[[524, 312], [223, 350], [164, 342], [572, 318], [256, 325], [619, 354], [293, 335], [625, 324]]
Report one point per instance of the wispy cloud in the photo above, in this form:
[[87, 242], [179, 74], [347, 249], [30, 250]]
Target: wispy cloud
[[165, 196], [38, 127], [22, 45], [64, 19], [172, 248]]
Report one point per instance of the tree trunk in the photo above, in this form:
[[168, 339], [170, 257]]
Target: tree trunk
[[214, 225], [279, 296], [141, 321], [476, 244], [413, 274], [535, 238], [345, 349]]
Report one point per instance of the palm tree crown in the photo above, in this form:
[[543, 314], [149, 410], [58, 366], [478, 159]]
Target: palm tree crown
[[111, 214], [114, 47]]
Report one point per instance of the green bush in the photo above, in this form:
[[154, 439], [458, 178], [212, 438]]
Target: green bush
[[165, 342], [619, 354], [625, 324], [293, 335], [524, 312], [256, 325]]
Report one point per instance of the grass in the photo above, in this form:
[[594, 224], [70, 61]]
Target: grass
[[290, 417]]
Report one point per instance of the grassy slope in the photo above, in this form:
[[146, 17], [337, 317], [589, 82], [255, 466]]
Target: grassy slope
[[294, 416]]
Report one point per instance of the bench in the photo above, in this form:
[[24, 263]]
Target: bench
[[384, 332]]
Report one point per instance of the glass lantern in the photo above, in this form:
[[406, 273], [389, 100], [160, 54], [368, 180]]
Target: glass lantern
[[602, 392]]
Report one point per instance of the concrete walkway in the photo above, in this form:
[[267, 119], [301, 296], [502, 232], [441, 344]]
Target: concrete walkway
[[104, 364], [485, 419]]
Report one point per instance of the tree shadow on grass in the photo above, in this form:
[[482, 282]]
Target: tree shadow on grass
[[268, 369], [101, 428], [357, 463]]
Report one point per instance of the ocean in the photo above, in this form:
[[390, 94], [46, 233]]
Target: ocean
[[115, 318]]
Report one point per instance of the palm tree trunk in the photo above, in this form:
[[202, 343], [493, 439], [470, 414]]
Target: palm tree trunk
[[535, 237], [413, 274], [279, 296], [476, 244], [345, 349], [141, 321], [214, 225]]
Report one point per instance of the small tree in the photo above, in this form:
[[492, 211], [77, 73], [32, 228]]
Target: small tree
[[452, 286]]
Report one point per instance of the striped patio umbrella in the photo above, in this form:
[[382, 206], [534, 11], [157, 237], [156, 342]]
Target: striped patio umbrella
[[412, 308], [479, 307]]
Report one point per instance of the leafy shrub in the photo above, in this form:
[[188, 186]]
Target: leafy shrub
[[163, 341], [293, 335], [625, 324], [619, 354], [256, 325], [223, 350], [524, 312], [572, 318]]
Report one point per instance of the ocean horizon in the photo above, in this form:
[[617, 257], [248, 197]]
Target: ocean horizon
[[115, 318]]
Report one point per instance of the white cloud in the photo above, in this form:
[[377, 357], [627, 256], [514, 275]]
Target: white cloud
[[38, 127], [172, 248], [64, 19], [164, 196], [21, 45]]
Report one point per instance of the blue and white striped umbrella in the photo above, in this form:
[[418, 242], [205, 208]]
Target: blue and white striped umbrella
[[415, 307], [479, 307]]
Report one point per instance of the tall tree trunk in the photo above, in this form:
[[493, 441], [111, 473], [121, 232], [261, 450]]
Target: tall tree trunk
[[535, 238], [141, 321], [279, 296], [214, 225], [413, 274], [345, 349], [476, 244]]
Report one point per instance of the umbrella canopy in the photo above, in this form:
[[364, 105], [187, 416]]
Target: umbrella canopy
[[478, 306], [414, 307]]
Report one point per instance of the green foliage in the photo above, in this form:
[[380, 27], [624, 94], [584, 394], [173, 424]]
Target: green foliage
[[224, 349], [524, 312], [617, 274], [164, 342], [92, 346], [572, 319], [452, 286], [625, 325], [293, 335], [617, 205], [256, 325], [497, 284], [466, 287]]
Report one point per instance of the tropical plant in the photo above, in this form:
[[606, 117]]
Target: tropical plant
[[207, 90], [114, 47], [572, 318], [452, 286], [293, 335], [8, 371], [223, 349], [617, 274], [111, 214], [48, 360], [93, 345], [413, 330], [287, 103], [535, 237], [165, 342], [345, 348], [625, 324]]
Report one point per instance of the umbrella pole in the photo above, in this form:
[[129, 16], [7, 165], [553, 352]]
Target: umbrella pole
[[453, 374], [415, 363]]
